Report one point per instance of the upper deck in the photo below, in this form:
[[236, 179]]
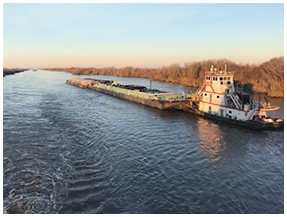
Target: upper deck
[[218, 81], [218, 73], [214, 72]]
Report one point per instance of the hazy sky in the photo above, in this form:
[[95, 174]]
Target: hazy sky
[[140, 35]]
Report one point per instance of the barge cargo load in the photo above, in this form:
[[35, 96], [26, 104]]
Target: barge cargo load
[[139, 94]]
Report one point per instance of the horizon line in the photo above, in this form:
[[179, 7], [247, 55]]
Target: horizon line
[[146, 67]]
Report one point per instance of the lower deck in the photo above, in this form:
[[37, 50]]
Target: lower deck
[[226, 112]]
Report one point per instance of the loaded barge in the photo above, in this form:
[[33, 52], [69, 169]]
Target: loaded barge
[[216, 99], [139, 94]]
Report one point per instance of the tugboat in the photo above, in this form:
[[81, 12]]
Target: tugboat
[[218, 99]]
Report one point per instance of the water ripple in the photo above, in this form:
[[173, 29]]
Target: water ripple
[[70, 150]]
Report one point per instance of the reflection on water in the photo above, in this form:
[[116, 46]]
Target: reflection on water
[[70, 150], [212, 140]]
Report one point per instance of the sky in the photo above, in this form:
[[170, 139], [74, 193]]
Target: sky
[[139, 35]]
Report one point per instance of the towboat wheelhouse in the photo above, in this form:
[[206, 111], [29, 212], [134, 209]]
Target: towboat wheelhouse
[[219, 97]]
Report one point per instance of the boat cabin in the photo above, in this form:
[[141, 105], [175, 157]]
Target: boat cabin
[[218, 96]]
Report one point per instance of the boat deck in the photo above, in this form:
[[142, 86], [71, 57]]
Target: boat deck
[[165, 100]]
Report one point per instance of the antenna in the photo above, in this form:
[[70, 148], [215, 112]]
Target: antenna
[[211, 68]]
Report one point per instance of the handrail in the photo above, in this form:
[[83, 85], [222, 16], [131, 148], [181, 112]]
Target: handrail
[[236, 100]]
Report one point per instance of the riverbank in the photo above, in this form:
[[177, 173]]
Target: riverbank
[[267, 78], [12, 71]]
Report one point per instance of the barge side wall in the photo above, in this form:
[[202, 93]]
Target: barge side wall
[[124, 95], [148, 102]]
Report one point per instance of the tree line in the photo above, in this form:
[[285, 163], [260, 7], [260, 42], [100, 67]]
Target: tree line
[[267, 77]]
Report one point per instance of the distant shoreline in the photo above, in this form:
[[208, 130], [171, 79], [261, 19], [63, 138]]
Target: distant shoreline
[[12, 71], [267, 78]]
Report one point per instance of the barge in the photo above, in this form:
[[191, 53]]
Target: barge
[[139, 94], [217, 99]]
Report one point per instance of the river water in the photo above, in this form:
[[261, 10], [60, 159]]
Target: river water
[[72, 150]]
